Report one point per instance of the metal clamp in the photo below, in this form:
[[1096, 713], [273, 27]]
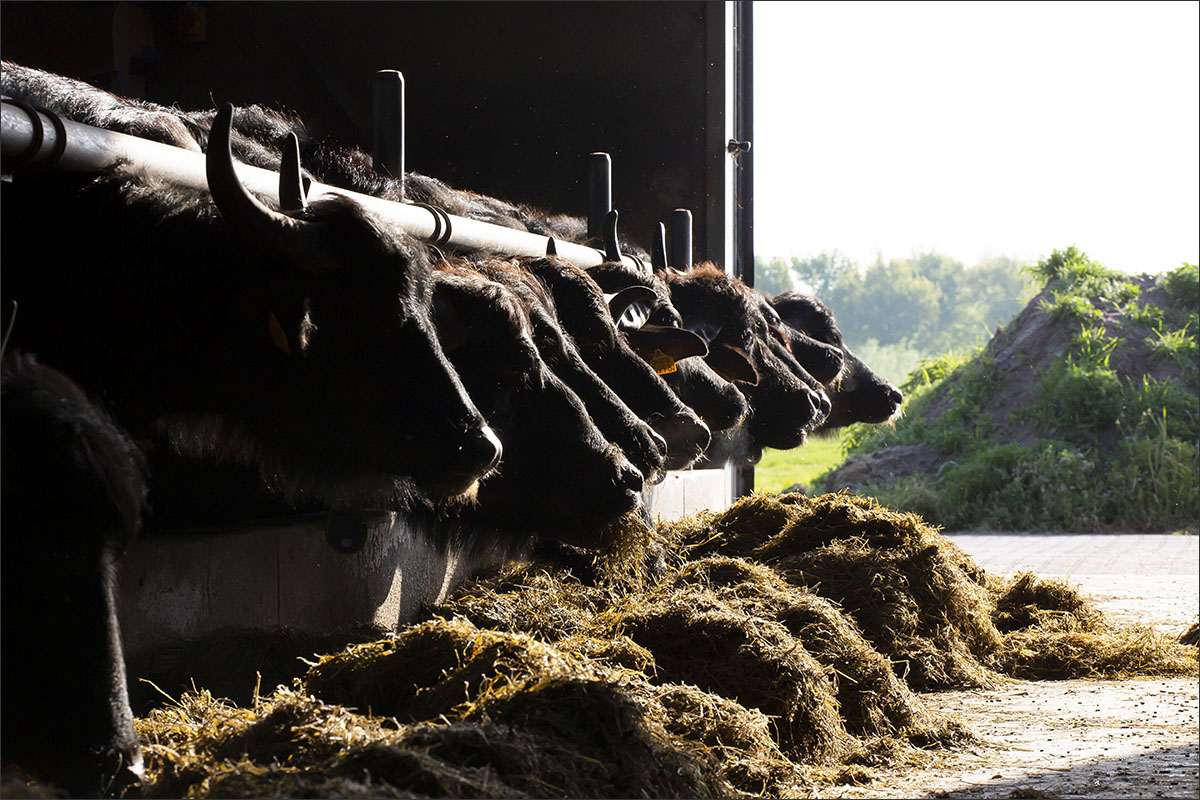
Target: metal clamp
[[442, 229], [26, 160]]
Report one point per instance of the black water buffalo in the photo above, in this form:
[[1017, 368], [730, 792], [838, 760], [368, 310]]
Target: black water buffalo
[[856, 393], [645, 448], [560, 477], [653, 328], [74, 492], [820, 360], [298, 346], [585, 315], [784, 407]]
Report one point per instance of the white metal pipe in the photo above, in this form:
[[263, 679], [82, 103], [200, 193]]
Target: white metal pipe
[[89, 149]]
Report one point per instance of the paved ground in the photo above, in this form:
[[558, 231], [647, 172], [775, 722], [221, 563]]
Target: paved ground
[[1151, 579], [1076, 739]]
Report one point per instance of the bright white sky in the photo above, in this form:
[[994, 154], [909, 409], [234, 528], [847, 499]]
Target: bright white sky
[[978, 129]]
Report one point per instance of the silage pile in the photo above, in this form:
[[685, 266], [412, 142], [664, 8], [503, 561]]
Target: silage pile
[[757, 651]]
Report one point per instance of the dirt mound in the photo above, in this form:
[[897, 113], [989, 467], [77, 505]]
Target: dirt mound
[[1081, 414], [884, 466]]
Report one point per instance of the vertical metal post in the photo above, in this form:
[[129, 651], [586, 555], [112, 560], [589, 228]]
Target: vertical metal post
[[742, 153], [599, 193], [658, 253], [741, 150], [387, 102], [681, 239]]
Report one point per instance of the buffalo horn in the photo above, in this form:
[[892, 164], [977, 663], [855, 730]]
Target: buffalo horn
[[612, 250], [623, 299], [245, 214], [291, 184]]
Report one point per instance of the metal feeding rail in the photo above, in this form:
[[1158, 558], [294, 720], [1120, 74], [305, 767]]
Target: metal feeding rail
[[39, 139]]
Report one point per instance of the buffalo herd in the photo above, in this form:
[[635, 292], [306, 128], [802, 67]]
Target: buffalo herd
[[181, 356]]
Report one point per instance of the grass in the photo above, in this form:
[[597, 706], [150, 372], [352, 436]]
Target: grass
[[780, 469]]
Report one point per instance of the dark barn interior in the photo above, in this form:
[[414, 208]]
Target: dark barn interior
[[505, 99]]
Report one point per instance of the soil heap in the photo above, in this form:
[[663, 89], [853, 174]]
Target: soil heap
[[1082, 414]]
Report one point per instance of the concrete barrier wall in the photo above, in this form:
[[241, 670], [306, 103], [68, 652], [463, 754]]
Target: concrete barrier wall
[[288, 576]]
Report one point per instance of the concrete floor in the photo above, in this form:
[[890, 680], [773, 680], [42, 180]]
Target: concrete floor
[[1152, 579]]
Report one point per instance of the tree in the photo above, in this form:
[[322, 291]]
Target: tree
[[821, 274], [772, 277]]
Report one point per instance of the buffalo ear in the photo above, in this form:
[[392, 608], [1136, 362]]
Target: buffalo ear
[[675, 342], [732, 364], [279, 312], [452, 330]]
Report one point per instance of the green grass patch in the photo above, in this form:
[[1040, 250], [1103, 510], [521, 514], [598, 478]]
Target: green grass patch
[[780, 469]]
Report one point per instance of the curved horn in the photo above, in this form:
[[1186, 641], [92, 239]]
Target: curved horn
[[244, 213], [291, 184], [658, 253], [612, 250], [627, 297]]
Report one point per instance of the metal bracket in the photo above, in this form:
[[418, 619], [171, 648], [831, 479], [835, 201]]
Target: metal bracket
[[346, 531]]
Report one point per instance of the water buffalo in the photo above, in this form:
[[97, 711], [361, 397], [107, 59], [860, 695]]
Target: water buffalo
[[645, 448], [299, 346], [560, 477], [653, 328], [584, 314], [784, 407], [74, 492], [856, 393]]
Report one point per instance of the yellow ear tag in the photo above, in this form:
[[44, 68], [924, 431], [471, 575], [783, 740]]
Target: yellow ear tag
[[663, 364], [277, 334]]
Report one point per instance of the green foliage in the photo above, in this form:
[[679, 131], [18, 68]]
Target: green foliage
[[1057, 487], [1093, 347], [1077, 403], [1183, 287], [928, 304], [1071, 274], [1181, 347], [963, 384], [1149, 315], [1159, 407], [1071, 306]]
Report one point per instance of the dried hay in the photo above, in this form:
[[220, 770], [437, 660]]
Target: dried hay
[[873, 701], [536, 598], [434, 669], [550, 727], [915, 596], [1053, 632], [750, 652], [1025, 600], [697, 639], [741, 741]]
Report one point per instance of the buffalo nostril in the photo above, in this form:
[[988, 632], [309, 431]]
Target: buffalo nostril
[[660, 443], [703, 436], [826, 405], [483, 447], [629, 477]]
